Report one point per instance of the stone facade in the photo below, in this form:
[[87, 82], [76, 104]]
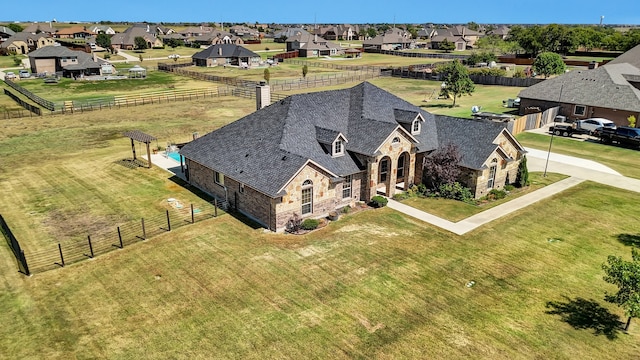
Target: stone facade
[[397, 145]]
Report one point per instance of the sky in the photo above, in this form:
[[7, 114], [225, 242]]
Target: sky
[[335, 11]]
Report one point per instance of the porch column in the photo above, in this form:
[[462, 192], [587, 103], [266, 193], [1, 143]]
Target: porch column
[[372, 173], [410, 169], [393, 176]]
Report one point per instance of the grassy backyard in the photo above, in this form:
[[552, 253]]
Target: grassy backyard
[[375, 284]]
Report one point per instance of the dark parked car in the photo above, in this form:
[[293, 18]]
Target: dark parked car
[[622, 135]]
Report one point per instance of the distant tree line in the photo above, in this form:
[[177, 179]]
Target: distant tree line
[[564, 39]]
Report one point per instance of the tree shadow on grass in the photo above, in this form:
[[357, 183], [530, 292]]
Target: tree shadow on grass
[[629, 239], [587, 314], [448, 106]]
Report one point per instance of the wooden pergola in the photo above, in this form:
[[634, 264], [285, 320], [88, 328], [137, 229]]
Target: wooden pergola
[[137, 135]]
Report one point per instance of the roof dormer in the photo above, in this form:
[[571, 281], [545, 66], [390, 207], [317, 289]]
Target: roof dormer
[[410, 120], [332, 138]]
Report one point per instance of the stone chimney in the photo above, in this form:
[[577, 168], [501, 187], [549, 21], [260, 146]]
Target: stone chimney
[[263, 95], [219, 50], [95, 57]]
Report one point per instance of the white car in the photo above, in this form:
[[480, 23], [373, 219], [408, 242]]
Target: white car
[[593, 123], [174, 56], [10, 75]]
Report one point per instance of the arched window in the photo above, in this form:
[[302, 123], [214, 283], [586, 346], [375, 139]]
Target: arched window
[[307, 197], [395, 141], [492, 173]]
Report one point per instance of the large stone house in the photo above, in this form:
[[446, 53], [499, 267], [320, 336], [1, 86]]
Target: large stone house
[[311, 154], [127, 39], [611, 91], [462, 37], [392, 39], [309, 45], [226, 54], [24, 42]]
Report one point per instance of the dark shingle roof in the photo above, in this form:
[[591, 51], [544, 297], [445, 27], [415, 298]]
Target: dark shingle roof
[[604, 87], [630, 57], [266, 148], [224, 51], [474, 138]]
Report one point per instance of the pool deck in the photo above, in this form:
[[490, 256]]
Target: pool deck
[[162, 161]]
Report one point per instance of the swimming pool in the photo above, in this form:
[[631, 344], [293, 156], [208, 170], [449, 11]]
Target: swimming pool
[[174, 155]]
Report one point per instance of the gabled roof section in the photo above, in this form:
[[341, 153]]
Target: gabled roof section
[[407, 116], [604, 87], [224, 51], [474, 139], [631, 57], [326, 136]]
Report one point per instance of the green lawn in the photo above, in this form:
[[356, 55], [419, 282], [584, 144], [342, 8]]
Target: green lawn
[[6, 61], [453, 210], [419, 93], [623, 160], [375, 284], [69, 89]]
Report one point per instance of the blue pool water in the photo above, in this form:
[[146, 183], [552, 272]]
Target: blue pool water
[[175, 156]]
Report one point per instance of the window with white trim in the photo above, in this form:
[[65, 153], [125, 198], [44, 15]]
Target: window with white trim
[[395, 141], [307, 197], [338, 147], [579, 110], [492, 173], [346, 187], [415, 127], [241, 188], [384, 169]]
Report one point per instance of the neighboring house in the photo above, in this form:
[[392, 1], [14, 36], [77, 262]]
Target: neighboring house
[[339, 32], [501, 31], [281, 35], [226, 54], [461, 36], [74, 32], [102, 29], [196, 31], [218, 37], [69, 63], [5, 33], [38, 28], [244, 32], [392, 39], [126, 39], [611, 91], [310, 154], [312, 46], [23, 43]]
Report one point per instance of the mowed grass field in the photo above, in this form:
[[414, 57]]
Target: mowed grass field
[[69, 89], [376, 284]]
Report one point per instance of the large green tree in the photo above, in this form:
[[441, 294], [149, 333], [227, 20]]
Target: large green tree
[[103, 40], [626, 276], [456, 80], [15, 27], [140, 43], [548, 63]]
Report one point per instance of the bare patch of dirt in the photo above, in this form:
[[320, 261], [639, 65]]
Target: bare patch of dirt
[[68, 224], [367, 324]]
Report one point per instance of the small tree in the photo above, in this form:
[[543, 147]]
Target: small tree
[[267, 75], [140, 57], [457, 81], [103, 40], [447, 45], [548, 63], [625, 275], [305, 70], [632, 120], [441, 167], [522, 178], [140, 43], [16, 60]]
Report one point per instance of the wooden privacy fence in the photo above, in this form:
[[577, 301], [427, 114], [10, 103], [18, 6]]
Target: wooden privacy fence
[[532, 121], [416, 54], [417, 72], [70, 251], [328, 65]]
